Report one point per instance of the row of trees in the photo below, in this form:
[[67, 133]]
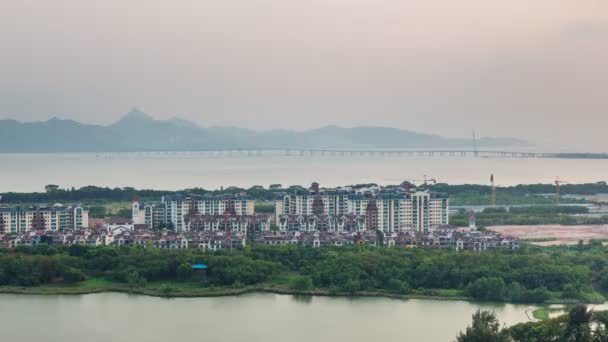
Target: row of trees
[[467, 193], [524, 189], [493, 276]]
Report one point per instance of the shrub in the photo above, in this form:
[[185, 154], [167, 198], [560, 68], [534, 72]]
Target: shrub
[[301, 283], [184, 272]]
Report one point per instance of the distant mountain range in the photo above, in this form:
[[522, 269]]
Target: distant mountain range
[[137, 131]]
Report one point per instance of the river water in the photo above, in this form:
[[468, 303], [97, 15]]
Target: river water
[[31, 172], [253, 317]]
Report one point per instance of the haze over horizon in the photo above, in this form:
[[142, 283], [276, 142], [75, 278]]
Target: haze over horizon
[[535, 71]]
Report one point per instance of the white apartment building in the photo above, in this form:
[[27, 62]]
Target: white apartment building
[[172, 212], [16, 219], [333, 203], [389, 211]]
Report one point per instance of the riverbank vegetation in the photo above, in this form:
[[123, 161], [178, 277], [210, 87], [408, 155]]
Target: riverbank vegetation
[[531, 276], [578, 325]]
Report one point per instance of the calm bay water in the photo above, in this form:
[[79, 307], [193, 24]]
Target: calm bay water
[[31, 172], [255, 317]]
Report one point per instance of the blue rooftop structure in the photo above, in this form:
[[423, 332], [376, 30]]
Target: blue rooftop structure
[[199, 267]]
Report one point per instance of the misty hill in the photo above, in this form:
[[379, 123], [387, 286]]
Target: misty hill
[[137, 131]]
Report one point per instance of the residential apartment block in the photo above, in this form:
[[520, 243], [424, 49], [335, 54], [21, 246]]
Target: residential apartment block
[[16, 219], [390, 210], [193, 212]]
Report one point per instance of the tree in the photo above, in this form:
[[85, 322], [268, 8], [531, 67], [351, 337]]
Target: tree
[[487, 289], [352, 286], [77, 250], [132, 277], [97, 211], [570, 291], [578, 328], [516, 292], [603, 278], [124, 213], [547, 330], [51, 188], [538, 295], [485, 328], [398, 286], [166, 289], [72, 275], [184, 272], [600, 333], [379, 238], [302, 283]]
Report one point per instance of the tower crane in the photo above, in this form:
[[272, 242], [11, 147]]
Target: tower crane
[[558, 182], [493, 190], [426, 180]]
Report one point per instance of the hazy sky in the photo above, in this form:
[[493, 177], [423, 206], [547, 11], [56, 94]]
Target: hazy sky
[[533, 69]]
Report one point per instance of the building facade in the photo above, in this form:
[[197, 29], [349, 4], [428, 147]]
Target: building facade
[[192, 212], [15, 219], [389, 210]]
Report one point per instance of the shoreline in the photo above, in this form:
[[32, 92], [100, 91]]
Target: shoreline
[[207, 293], [230, 292]]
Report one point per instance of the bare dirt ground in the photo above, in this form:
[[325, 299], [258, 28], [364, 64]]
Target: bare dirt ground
[[555, 234]]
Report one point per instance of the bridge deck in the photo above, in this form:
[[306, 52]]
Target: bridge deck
[[355, 153]]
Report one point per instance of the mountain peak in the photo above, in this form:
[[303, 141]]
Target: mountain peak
[[134, 115]]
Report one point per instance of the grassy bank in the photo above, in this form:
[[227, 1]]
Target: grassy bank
[[546, 313], [193, 289]]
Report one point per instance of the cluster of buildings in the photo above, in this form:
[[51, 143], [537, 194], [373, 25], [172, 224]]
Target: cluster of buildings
[[121, 237], [391, 217], [454, 239], [131, 235], [390, 210]]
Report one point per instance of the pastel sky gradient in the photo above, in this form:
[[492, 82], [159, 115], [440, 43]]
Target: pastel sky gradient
[[531, 69]]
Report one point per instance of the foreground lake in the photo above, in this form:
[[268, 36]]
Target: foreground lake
[[254, 317]]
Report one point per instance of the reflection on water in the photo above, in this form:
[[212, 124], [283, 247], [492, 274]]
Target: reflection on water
[[302, 299], [253, 317]]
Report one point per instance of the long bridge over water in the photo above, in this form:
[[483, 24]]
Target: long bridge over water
[[439, 154]]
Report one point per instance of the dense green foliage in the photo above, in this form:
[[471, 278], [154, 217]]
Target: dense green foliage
[[264, 207], [473, 199], [105, 210], [97, 194], [526, 276], [578, 325], [460, 194], [523, 189], [485, 328]]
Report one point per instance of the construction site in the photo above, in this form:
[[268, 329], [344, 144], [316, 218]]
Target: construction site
[[556, 234]]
